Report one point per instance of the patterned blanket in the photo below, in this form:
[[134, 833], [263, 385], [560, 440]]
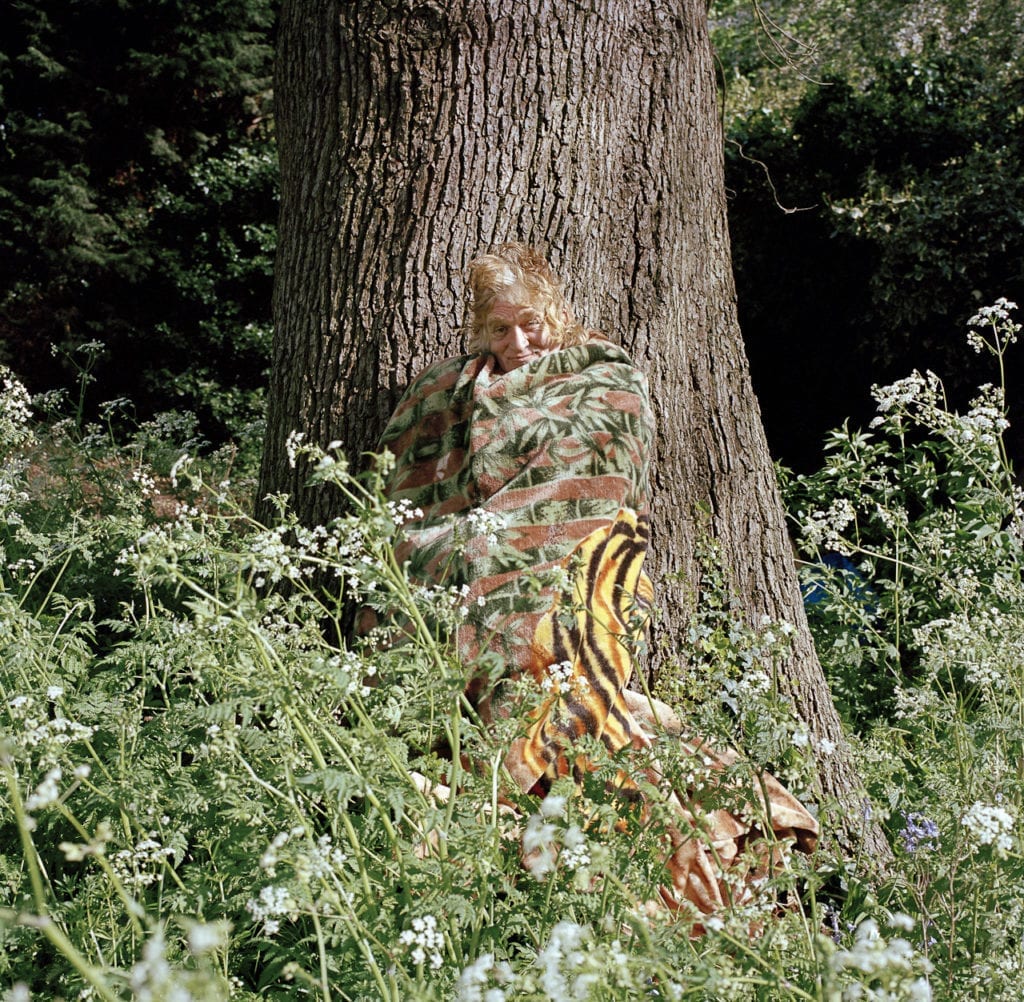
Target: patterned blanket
[[529, 493], [512, 472]]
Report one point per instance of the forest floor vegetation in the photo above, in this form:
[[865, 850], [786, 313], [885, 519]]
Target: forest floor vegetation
[[211, 795]]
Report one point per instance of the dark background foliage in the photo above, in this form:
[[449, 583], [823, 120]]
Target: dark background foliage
[[137, 197], [873, 157]]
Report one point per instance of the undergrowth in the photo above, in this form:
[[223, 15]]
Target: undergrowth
[[211, 794]]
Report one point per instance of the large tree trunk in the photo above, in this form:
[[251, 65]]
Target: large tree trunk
[[413, 135]]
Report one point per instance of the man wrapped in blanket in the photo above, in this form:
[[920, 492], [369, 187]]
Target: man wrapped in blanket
[[529, 462]]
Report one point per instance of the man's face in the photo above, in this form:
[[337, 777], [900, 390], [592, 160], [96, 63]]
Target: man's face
[[517, 334]]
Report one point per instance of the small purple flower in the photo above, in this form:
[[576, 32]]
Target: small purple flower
[[920, 833]]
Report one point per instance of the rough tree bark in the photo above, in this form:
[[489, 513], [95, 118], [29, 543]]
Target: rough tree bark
[[412, 135]]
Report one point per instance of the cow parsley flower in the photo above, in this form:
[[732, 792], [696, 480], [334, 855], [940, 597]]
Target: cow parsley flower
[[575, 853], [472, 983], [887, 969], [917, 388], [989, 824], [402, 511], [203, 937], [997, 319], [825, 528], [485, 523], [47, 793], [539, 852], [560, 680], [15, 412], [425, 940], [561, 958], [273, 902], [151, 977], [291, 446]]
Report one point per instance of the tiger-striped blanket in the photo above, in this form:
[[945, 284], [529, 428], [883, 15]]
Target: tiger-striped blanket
[[529, 494]]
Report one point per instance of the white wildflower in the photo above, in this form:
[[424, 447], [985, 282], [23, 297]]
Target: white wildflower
[[273, 902], [15, 412], [825, 528], [485, 523], [989, 824], [206, 936], [553, 806], [539, 846], [575, 853], [425, 940], [998, 324], [291, 446], [180, 464], [893, 966], [140, 866], [402, 511], [47, 793], [151, 977], [472, 983], [917, 388], [560, 680], [560, 959]]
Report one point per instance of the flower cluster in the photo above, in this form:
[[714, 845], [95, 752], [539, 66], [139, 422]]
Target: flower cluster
[[152, 979], [919, 832], [274, 903], [474, 980], [885, 969], [546, 843], [46, 737], [997, 319], [571, 968], [982, 425], [914, 390], [271, 855], [318, 860], [559, 679], [402, 511], [989, 824], [292, 446], [825, 528], [982, 642], [47, 792], [140, 866], [15, 412], [425, 940], [485, 523]]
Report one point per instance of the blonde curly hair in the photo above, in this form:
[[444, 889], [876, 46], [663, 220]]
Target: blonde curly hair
[[519, 274]]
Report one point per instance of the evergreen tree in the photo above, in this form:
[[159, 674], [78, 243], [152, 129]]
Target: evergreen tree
[[138, 193]]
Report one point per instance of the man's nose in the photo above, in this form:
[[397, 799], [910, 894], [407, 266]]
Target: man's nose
[[520, 337]]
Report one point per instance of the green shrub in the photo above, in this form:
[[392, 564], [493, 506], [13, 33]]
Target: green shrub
[[921, 640], [210, 793]]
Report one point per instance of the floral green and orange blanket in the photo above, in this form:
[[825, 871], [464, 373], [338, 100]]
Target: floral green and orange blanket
[[526, 492], [513, 479]]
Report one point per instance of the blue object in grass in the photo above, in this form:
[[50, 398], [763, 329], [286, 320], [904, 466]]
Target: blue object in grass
[[815, 588]]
